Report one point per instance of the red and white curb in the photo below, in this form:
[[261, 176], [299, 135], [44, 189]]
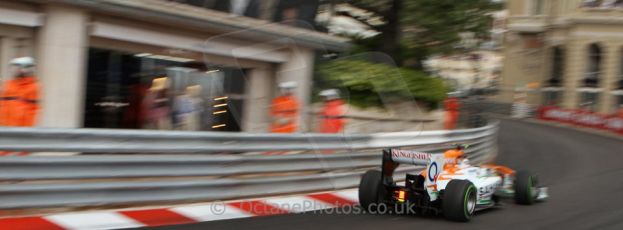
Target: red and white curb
[[182, 214]]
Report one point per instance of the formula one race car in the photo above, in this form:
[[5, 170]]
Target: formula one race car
[[449, 185]]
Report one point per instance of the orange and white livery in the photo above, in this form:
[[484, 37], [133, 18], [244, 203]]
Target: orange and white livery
[[449, 184]]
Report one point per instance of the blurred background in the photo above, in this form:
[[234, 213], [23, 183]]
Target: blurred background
[[219, 63], [100, 64], [243, 68]]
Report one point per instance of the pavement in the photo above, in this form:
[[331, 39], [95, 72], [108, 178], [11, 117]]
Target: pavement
[[595, 131], [583, 172]]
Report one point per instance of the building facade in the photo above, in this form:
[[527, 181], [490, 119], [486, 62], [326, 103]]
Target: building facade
[[301, 13], [100, 62], [565, 52]]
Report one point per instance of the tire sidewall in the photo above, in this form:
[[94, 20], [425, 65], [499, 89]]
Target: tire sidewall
[[456, 196], [469, 213], [524, 186], [370, 189]]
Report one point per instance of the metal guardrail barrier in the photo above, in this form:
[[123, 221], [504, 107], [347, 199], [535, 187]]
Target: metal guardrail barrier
[[98, 167], [86, 180], [81, 194], [150, 141]]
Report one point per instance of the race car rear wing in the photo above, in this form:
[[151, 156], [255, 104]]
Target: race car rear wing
[[407, 157], [392, 158]]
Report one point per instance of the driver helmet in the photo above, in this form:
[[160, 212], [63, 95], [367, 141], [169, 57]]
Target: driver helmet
[[453, 154]]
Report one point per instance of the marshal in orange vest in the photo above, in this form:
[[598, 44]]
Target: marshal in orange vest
[[19, 102]]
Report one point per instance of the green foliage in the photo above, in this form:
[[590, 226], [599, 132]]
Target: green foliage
[[436, 24], [424, 27], [372, 84]]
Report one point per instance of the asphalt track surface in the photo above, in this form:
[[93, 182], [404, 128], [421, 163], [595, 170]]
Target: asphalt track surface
[[584, 173]]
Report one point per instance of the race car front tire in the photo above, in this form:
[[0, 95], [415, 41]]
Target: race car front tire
[[371, 190], [525, 188], [459, 200]]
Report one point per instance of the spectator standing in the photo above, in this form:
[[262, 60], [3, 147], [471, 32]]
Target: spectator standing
[[187, 109]]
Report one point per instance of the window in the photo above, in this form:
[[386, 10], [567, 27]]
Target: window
[[144, 90], [552, 97], [619, 104], [589, 100], [537, 7], [602, 3], [558, 60], [593, 71], [620, 81]]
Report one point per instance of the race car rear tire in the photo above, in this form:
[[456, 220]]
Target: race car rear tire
[[371, 190], [525, 188], [459, 200]]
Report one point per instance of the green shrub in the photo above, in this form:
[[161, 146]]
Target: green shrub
[[371, 84]]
